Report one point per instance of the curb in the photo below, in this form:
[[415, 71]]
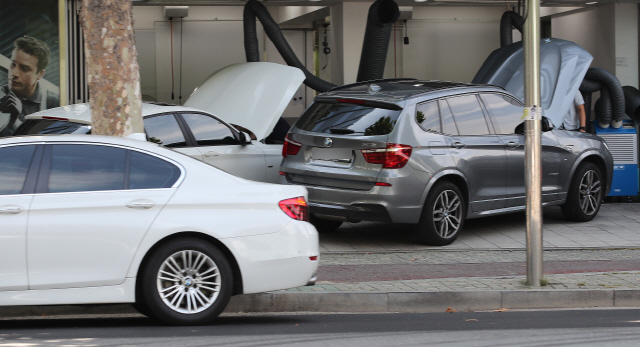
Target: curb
[[379, 302]]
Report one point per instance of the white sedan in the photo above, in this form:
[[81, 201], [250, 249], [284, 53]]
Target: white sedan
[[227, 122], [96, 219]]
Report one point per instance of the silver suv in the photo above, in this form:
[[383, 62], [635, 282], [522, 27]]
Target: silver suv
[[433, 154]]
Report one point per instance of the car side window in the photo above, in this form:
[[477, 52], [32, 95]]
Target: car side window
[[209, 131], [468, 115], [448, 124], [505, 113], [428, 116], [149, 172], [14, 164], [76, 168], [164, 130]]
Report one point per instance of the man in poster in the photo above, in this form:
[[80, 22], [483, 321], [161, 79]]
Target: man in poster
[[22, 94]]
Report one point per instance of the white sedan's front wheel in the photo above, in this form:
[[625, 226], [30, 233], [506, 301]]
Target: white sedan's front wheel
[[186, 282]]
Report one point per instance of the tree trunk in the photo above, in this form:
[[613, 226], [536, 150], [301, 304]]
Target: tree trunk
[[112, 67]]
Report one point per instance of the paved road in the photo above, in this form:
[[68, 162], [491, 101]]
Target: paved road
[[615, 226], [466, 329], [417, 265]]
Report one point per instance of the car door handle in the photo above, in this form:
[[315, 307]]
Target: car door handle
[[512, 144], [10, 209], [458, 145], [142, 204], [211, 154]]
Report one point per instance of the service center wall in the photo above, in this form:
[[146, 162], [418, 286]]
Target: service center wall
[[445, 43], [450, 43], [211, 38]]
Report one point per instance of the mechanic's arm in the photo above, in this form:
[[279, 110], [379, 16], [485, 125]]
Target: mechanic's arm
[[582, 117]]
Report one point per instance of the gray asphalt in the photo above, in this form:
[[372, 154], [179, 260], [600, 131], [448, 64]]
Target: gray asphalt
[[503, 328]]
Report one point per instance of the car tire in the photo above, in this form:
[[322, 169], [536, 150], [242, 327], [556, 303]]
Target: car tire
[[186, 282], [325, 225], [443, 215], [585, 194]]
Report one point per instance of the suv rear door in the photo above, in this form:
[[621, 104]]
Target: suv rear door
[[332, 136]]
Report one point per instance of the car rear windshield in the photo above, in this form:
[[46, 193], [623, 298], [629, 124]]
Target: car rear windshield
[[347, 119], [51, 126]]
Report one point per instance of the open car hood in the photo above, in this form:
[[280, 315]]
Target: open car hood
[[563, 65], [252, 95]]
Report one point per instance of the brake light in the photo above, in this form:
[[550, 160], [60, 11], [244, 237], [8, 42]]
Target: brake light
[[55, 118], [395, 156], [295, 208], [383, 184], [290, 147]]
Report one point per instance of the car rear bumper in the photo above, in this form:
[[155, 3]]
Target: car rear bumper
[[282, 260], [400, 203], [355, 212]]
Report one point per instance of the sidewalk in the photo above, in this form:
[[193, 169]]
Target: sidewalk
[[375, 267]]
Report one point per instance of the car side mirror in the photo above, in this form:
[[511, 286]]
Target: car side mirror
[[243, 138], [545, 125]]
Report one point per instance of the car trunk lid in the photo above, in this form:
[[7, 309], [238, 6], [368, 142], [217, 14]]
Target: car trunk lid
[[252, 95], [337, 140]]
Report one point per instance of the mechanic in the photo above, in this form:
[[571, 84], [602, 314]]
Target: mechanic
[[22, 94], [576, 118]]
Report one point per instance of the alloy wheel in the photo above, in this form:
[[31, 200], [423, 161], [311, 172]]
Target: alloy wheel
[[447, 213], [188, 281], [590, 192]]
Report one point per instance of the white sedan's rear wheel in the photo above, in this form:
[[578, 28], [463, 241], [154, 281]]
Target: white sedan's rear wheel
[[187, 282]]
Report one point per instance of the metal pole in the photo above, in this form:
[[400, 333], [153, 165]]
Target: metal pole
[[533, 167]]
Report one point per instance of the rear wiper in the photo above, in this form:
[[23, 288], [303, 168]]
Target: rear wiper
[[342, 131]]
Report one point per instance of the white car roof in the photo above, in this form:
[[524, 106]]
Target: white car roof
[[81, 113], [252, 95]]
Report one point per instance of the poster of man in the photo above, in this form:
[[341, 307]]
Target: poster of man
[[29, 60]]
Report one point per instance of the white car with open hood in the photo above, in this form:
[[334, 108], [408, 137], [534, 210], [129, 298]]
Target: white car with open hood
[[226, 122], [103, 219]]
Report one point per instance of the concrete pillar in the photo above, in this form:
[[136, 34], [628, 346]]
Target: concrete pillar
[[348, 22], [626, 43]]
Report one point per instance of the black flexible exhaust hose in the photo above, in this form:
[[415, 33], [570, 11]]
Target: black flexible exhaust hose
[[632, 102], [603, 108], [382, 15], [610, 107], [251, 45], [254, 9], [508, 20]]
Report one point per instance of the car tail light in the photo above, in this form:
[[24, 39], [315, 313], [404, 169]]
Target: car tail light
[[295, 208], [395, 156], [290, 147], [55, 118]]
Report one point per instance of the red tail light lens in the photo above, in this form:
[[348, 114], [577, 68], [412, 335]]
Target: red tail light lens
[[290, 147], [395, 156], [295, 208]]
